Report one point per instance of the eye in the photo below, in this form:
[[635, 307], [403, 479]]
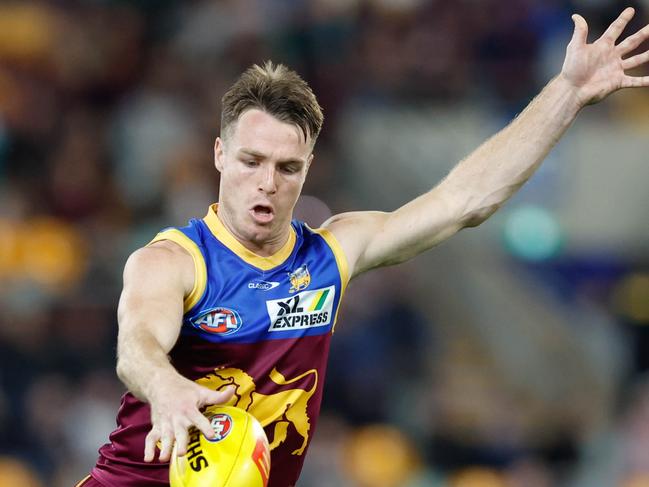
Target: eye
[[289, 168], [251, 163]]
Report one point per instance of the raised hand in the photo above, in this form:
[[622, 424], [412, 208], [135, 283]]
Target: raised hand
[[599, 69], [174, 409]]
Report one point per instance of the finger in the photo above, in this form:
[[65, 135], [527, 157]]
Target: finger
[[580, 34], [216, 397], [635, 61], [202, 423], [149, 445], [631, 42], [635, 81], [167, 441], [615, 29], [182, 438]]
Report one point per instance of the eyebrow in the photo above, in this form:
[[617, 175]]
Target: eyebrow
[[259, 155]]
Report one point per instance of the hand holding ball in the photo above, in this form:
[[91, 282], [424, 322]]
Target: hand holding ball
[[238, 455]]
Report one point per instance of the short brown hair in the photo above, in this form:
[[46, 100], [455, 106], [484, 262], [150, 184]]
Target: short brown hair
[[278, 91]]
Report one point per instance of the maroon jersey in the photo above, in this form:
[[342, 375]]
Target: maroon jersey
[[260, 324]]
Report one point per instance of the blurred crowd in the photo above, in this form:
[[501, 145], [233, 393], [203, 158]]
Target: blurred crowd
[[108, 114]]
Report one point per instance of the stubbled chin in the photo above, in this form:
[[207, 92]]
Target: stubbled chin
[[265, 234]]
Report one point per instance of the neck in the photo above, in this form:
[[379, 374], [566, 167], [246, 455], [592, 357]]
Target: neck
[[260, 244]]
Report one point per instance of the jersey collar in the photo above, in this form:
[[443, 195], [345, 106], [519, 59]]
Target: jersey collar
[[226, 238]]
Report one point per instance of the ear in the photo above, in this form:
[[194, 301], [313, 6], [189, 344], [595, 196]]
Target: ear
[[219, 154], [308, 163]]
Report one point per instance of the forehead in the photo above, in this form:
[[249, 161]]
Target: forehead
[[260, 131]]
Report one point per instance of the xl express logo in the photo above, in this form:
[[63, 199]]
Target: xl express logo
[[218, 321], [308, 309]]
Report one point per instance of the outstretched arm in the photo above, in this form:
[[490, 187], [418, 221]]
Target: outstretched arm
[[482, 182], [156, 279]]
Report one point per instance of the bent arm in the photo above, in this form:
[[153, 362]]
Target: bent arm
[[156, 279]]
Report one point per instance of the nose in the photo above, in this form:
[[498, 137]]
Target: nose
[[267, 182]]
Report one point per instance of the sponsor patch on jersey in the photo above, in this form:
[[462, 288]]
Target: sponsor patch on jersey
[[219, 321], [263, 285], [299, 278], [222, 425], [307, 309]]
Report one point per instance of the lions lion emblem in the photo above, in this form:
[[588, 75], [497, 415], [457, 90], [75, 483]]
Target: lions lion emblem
[[299, 278], [282, 408]]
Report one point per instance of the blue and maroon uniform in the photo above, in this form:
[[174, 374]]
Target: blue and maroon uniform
[[260, 324]]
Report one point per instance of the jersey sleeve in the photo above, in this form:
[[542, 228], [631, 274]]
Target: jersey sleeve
[[200, 269]]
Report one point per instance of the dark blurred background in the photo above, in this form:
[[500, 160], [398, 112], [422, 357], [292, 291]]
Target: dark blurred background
[[514, 355]]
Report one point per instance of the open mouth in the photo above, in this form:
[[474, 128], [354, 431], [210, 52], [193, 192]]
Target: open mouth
[[262, 213]]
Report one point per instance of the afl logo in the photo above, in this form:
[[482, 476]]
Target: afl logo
[[222, 425], [218, 321]]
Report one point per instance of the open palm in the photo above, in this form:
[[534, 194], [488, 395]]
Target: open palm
[[598, 69]]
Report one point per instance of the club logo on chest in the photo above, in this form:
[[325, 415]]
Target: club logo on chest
[[299, 278]]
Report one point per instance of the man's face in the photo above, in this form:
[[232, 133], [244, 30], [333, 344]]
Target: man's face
[[263, 163]]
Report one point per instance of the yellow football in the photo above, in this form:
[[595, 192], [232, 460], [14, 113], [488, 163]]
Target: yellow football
[[238, 456]]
